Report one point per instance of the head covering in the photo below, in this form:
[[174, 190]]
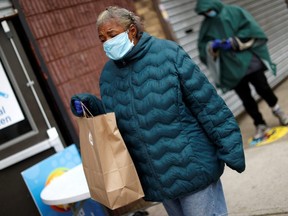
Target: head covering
[[205, 5]]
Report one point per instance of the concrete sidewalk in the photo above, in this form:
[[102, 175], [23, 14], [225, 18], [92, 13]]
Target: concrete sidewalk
[[262, 189]]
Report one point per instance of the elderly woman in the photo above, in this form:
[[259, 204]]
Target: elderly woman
[[178, 130]]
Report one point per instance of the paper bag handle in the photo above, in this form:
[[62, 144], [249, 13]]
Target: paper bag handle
[[84, 108]]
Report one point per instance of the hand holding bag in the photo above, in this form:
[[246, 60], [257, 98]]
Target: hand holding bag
[[110, 173]]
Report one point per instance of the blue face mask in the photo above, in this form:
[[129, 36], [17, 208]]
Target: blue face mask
[[118, 46], [211, 13]]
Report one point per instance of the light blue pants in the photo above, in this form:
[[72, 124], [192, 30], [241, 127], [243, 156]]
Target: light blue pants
[[207, 202]]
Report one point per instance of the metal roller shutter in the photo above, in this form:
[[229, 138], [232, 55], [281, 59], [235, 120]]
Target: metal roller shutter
[[6, 9], [271, 15]]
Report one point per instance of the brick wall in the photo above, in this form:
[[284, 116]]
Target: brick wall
[[146, 10], [66, 35]]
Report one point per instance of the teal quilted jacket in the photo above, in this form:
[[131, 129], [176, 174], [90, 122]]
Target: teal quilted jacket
[[178, 130]]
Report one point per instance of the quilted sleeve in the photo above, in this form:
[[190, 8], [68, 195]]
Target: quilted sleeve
[[211, 111]]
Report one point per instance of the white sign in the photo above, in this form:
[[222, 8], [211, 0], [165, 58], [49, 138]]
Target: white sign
[[10, 111]]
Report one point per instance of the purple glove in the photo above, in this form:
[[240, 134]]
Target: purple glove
[[216, 44], [78, 107], [226, 45]]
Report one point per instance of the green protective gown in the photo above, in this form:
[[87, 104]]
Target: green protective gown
[[231, 21]]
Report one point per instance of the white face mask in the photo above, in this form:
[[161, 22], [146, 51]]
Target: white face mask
[[118, 46], [211, 13]]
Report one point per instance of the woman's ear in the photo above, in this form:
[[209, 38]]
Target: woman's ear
[[133, 32]]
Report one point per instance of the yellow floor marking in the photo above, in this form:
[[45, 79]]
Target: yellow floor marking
[[272, 135]]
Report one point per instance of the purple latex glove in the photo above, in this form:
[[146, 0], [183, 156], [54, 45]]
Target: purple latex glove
[[216, 44], [78, 107], [226, 45]]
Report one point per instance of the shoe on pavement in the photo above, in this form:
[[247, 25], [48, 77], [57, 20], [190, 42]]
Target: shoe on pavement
[[261, 131], [283, 118]]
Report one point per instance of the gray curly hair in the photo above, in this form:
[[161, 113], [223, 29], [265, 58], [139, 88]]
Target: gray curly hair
[[122, 15]]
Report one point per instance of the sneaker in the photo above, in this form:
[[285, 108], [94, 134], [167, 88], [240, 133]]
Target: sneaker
[[283, 118], [261, 131]]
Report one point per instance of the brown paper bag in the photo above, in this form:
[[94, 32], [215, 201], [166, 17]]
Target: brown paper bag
[[110, 173]]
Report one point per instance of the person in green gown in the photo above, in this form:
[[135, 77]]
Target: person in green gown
[[234, 48]]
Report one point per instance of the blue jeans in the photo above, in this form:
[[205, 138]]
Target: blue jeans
[[207, 202]]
